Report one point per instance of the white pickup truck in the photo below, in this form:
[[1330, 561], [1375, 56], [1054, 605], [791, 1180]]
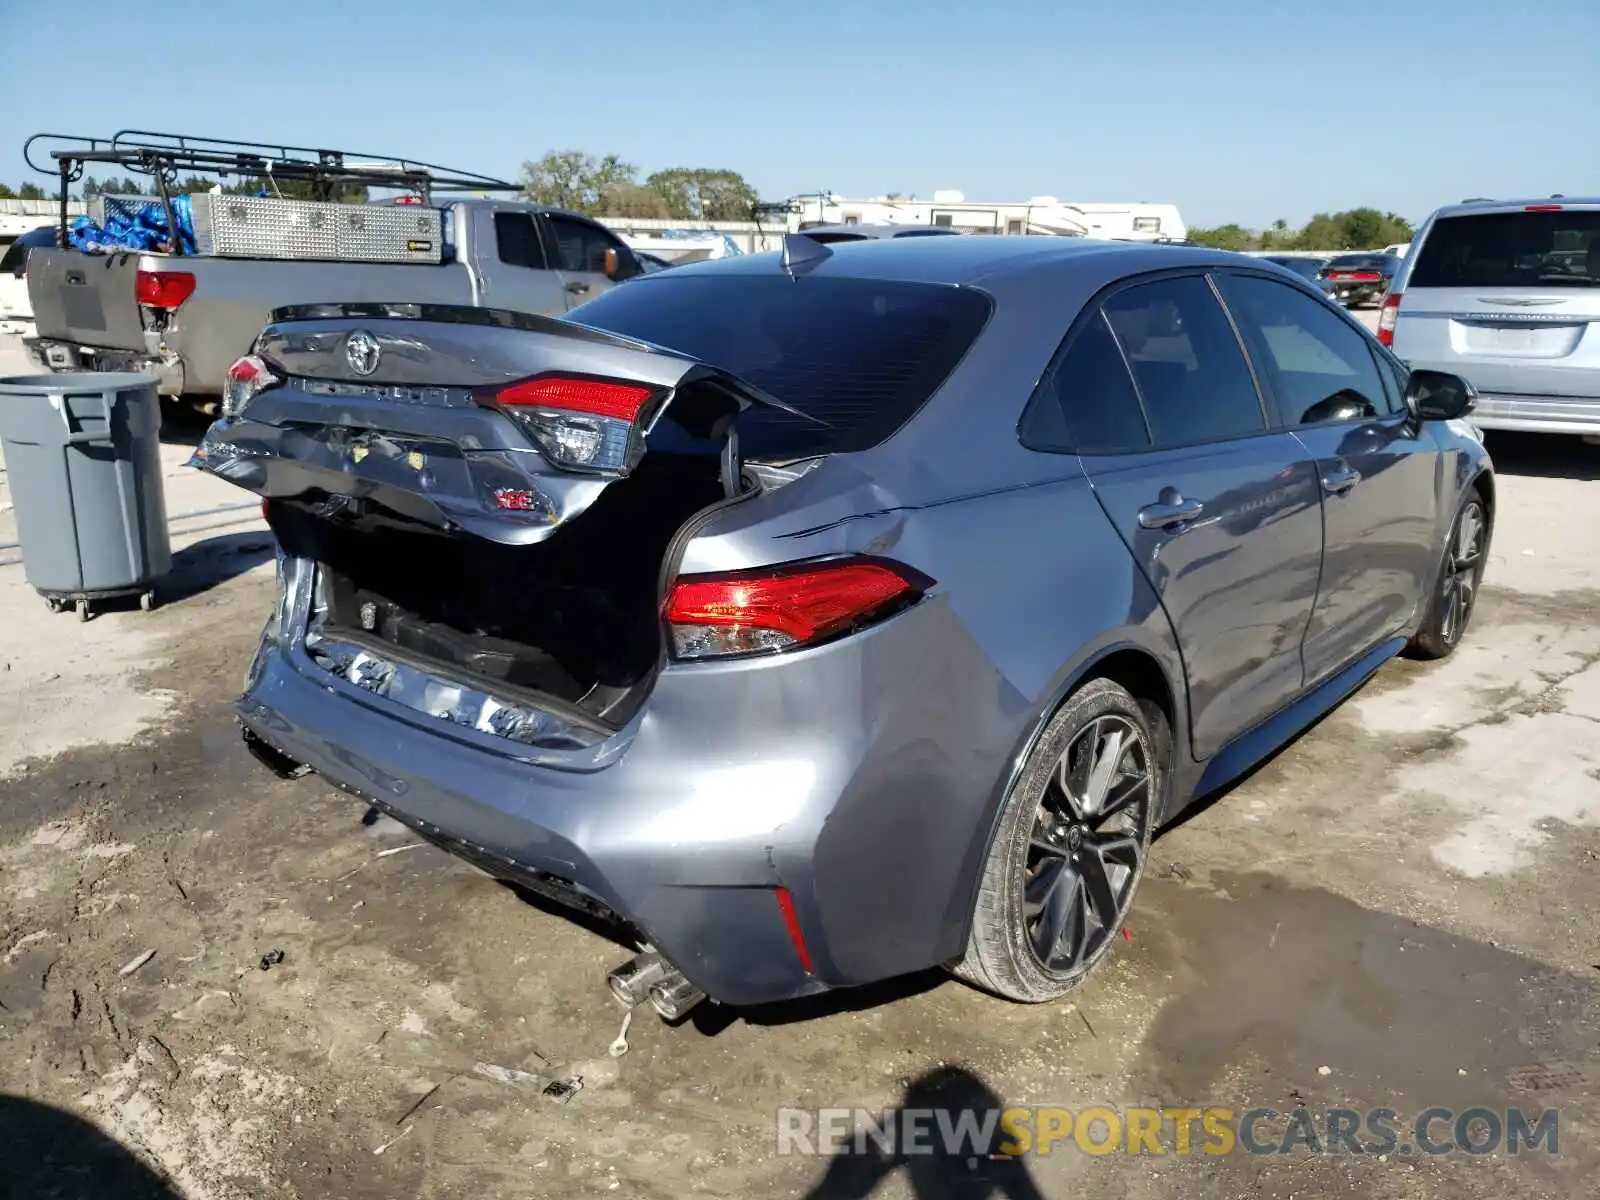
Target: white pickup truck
[[186, 317]]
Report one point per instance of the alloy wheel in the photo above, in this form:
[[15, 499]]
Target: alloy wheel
[[1461, 573], [1085, 850]]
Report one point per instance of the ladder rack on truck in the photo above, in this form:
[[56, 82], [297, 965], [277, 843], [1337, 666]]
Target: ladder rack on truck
[[163, 156]]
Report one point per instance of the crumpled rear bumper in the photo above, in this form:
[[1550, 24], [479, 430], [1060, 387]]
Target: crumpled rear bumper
[[571, 836]]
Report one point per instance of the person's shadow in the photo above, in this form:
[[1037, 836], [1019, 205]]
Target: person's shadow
[[937, 1172], [49, 1154]]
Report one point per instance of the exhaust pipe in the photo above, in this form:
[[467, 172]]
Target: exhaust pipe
[[674, 995], [630, 983]]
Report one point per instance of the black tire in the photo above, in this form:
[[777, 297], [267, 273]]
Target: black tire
[[1042, 823], [1455, 590]]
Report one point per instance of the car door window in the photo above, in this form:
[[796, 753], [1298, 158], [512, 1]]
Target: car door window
[[579, 245], [1190, 369], [517, 241], [1087, 402], [1318, 369]]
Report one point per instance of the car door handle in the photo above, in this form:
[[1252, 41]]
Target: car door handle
[[1340, 481], [1166, 513], [577, 287]]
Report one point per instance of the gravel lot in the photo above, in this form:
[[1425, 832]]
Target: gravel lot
[[1398, 911]]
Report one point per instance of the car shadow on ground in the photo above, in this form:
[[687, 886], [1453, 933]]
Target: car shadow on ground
[[933, 1102], [182, 424], [50, 1152], [1543, 455], [199, 568]]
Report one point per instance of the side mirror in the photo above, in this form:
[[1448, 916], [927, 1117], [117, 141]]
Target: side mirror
[[1439, 395], [619, 266]]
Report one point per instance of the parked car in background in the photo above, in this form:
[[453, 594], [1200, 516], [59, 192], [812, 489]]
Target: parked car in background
[[1507, 293], [1304, 265], [1357, 280], [862, 233], [657, 610], [1399, 249], [16, 310]]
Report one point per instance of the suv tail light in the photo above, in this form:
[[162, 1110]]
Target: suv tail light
[[580, 421], [1386, 318], [162, 289], [786, 607], [245, 380]]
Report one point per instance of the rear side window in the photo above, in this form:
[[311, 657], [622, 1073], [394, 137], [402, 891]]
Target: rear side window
[[856, 358], [1087, 403], [1314, 362], [1186, 360], [517, 240], [1511, 249]]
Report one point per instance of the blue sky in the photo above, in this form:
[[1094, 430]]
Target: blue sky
[[1249, 111]]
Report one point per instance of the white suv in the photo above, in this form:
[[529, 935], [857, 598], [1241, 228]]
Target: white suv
[[1507, 295]]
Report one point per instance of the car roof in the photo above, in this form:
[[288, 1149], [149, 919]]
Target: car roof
[[971, 260], [882, 230], [1535, 203]]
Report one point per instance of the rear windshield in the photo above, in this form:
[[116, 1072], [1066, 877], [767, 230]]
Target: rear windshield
[[858, 356], [1357, 262], [1511, 249], [1300, 266]]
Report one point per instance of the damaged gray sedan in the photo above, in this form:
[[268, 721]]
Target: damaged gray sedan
[[825, 616]]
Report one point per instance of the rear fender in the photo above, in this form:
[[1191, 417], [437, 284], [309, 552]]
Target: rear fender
[[1155, 642]]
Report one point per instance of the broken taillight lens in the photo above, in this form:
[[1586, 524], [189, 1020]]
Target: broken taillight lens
[[163, 289], [784, 608], [245, 380], [580, 422]]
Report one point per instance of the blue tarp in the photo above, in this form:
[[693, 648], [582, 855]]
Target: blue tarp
[[135, 228]]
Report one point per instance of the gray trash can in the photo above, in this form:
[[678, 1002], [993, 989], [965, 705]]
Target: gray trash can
[[83, 459]]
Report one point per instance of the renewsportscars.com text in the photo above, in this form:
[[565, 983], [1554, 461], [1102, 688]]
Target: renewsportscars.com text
[[1011, 1132]]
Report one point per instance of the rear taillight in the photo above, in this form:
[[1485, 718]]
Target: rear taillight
[[784, 608], [1386, 318], [578, 421], [162, 289], [245, 380], [1541, 208]]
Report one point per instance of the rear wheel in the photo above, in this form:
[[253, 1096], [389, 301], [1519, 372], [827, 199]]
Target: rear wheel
[[1455, 596], [1070, 848]]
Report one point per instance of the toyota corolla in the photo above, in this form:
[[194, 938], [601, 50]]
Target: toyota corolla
[[821, 616]]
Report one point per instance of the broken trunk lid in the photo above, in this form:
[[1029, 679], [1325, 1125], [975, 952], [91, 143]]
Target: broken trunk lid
[[501, 424]]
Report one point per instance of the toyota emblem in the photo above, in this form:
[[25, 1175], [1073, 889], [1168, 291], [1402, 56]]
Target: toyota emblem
[[361, 351]]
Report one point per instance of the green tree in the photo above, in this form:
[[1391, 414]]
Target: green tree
[[294, 189], [1277, 235], [6, 193], [576, 181], [196, 183], [698, 194], [632, 200], [1224, 237], [30, 191], [1353, 229]]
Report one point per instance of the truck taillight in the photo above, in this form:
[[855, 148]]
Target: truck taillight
[[1386, 318], [245, 380], [162, 289], [578, 421], [785, 607]]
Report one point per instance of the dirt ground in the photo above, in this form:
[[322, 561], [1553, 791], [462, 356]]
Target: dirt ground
[[1398, 911]]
